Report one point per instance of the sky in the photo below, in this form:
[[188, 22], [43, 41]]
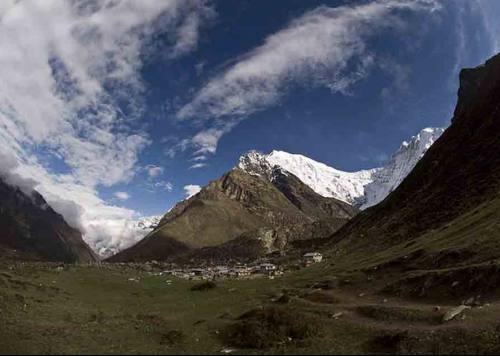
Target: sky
[[117, 109]]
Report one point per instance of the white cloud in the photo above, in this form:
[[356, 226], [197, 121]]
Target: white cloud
[[162, 185], [206, 141], [188, 32], [154, 171], [198, 165], [104, 226], [191, 190], [64, 66], [320, 48], [199, 158], [153, 183], [8, 165], [107, 228], [122, 195]]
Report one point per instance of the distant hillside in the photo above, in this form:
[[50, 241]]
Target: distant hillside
[[31, 229], [238, 205], [446, 212]]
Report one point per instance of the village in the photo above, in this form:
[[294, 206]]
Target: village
[[239, 271]]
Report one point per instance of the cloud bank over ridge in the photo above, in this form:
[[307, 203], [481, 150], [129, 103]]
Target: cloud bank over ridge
[[71, 93]]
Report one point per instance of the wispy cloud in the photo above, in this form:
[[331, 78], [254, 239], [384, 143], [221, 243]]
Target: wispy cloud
[[198, 165], [472, 47], [187, 34], [206, 141], [400, 84], [460, 48], [70, 71], [324, 47], [122, 195], [199, 158], [489, 12], [161, 185]]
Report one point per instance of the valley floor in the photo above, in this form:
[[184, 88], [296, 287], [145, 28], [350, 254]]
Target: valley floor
[[85, 310]]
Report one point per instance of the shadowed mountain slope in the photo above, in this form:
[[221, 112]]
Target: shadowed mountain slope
[[458, 180], [31, 229]]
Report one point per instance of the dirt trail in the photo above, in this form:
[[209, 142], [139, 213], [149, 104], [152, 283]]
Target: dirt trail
[[361, 305]]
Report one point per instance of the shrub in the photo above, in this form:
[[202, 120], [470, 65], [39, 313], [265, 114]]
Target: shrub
[[172, 337], [97, 317], [159, 328], [204, 286], [284, 299], [263, 328]]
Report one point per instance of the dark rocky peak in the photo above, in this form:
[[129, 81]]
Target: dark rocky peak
[[31, 227], [476, 86]]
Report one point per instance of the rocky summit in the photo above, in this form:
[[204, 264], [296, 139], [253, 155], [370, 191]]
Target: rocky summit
[[240, 204]]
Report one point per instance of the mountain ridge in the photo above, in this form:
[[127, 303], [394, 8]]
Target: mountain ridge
[[235, 205], [33, 230], [362, 188], [457, 181]]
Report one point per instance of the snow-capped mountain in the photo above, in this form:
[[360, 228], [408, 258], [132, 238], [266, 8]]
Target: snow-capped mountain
[[130, 232], [148, 223], [324, 180], [402, 162], [364, 188]]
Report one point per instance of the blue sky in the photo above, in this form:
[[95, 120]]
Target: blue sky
[[113, 108], [411, 85]]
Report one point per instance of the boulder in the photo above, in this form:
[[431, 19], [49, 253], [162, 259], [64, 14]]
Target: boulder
[[454, 312]]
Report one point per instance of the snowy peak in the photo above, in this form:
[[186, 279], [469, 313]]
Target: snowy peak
[[148, 223], [255, 163], [420, 143], [324, 180], [133, 231], [363, 188], [401, 163]]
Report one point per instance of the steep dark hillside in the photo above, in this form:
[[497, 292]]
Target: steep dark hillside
[[31, 229], [237, 205], [458, 176]]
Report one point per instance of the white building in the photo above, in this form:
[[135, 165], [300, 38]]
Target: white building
[[268, 268], [240, 271], [312, 257]]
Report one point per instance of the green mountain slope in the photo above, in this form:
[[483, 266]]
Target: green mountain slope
[[237, 205]]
